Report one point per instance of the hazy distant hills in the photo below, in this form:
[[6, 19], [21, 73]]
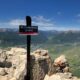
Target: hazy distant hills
[[12, 37], [8, 30], [66, 37]]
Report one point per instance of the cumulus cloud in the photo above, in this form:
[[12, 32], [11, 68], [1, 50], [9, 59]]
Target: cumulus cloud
[[12, 23], [48, 24], [16, 22], [40, 21], [43, 23]]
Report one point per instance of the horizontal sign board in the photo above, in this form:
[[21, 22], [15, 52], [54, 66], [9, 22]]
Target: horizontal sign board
[[33, 30]]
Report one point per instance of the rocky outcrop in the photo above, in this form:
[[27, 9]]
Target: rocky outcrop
[[60, 70], [40, 64], [12, 64], [13, 61]]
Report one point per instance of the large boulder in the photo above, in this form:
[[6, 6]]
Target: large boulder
[[12, 64], [40, 64]]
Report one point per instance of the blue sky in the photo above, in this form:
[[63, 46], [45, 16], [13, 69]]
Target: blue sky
[[47, 14]]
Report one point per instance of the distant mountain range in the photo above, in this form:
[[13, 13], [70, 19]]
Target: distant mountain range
[[12, 37], [8, 29]]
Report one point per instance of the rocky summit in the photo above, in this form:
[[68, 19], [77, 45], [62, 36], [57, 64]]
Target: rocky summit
[[13, 62]]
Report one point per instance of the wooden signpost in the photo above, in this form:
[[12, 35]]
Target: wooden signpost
[[28, 30]]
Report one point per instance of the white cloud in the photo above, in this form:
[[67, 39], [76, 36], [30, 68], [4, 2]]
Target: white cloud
[[16, 22], [48, 24], [40, 21], [12, 23], [43, 23]]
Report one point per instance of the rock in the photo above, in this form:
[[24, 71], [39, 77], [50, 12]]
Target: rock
[[3, 57], [75, 78], [10, 72], [4, 78], [19, 71], [18, 51], [65, 75], [61, 64], [14, 64], [40, 64], [13, 78], [18, 62], [60, 60], [66, 69], [61, 76], [1, 51], [2, 72], [40, 54], [53, 77], [38, 51], [46, 77]]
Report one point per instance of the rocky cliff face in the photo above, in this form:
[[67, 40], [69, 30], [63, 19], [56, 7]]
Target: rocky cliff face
[[12, 65]]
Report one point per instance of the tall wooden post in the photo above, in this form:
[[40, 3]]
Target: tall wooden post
[[28, 30], [28, 24]]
